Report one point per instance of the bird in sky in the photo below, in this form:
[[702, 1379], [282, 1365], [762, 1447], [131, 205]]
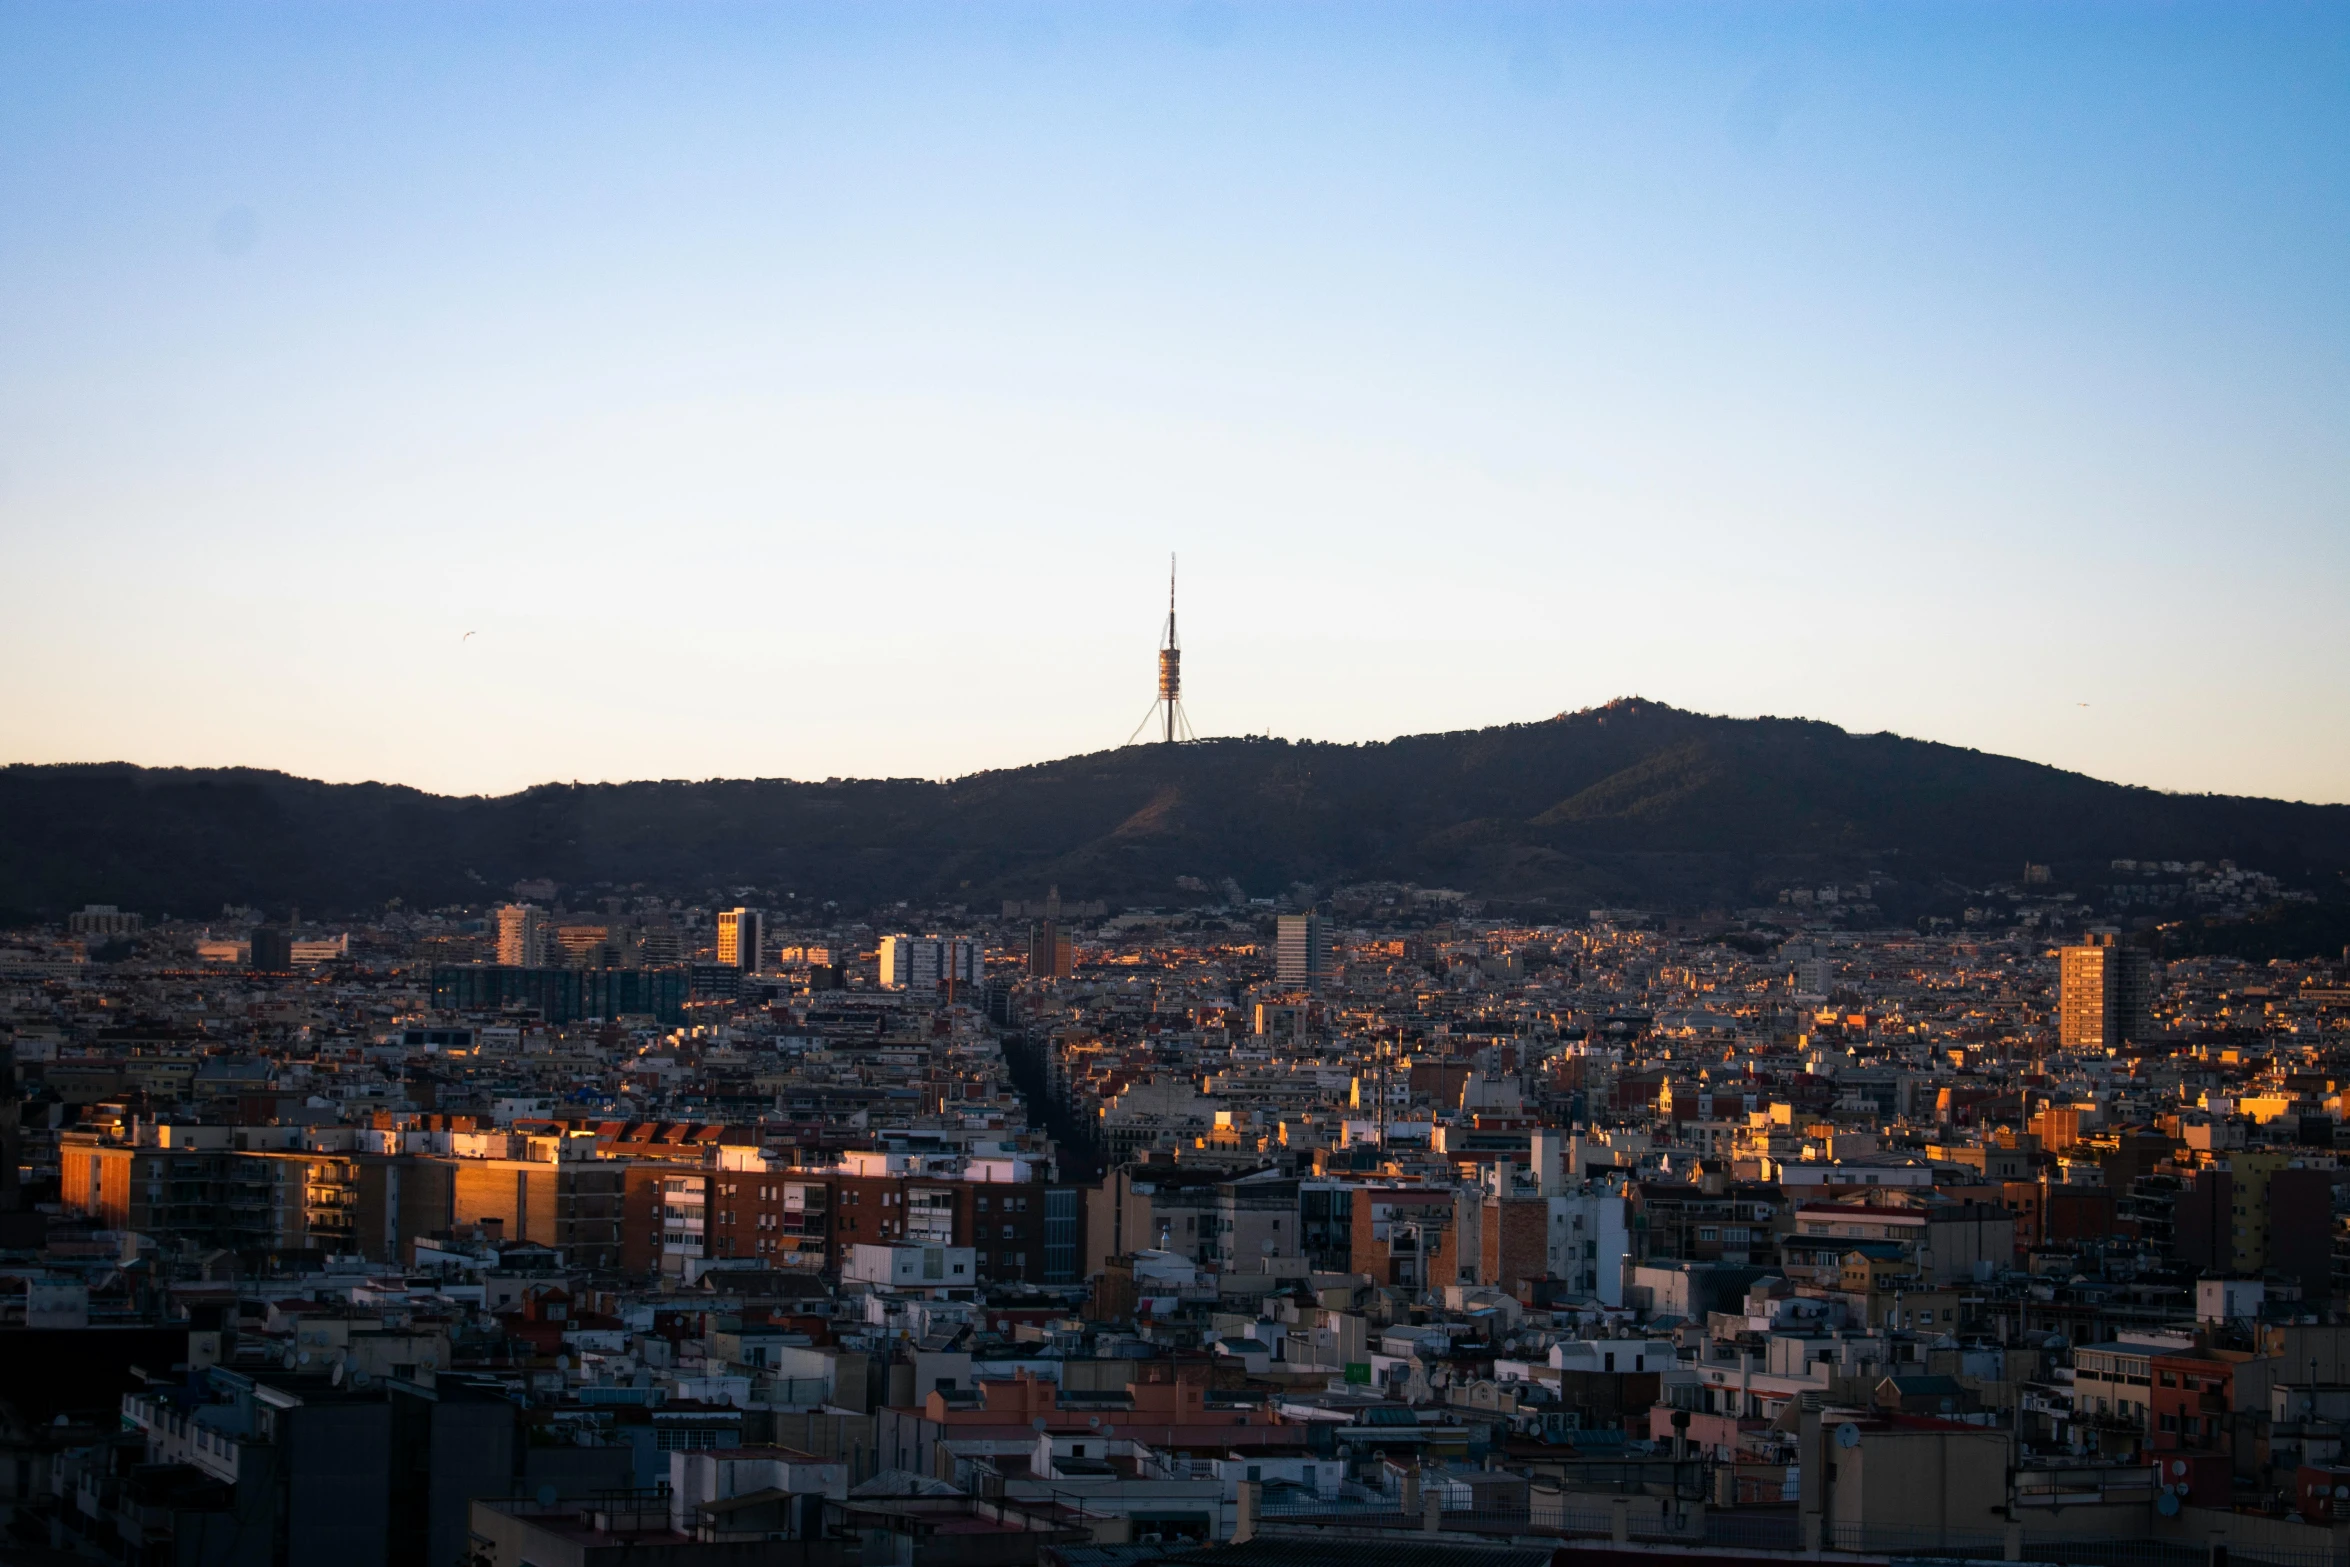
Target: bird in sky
[[470, 634]]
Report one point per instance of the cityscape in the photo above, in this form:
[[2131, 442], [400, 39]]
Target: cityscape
[[1720, 937], [589, 1220]]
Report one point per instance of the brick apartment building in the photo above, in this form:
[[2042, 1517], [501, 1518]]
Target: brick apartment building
[[1407, 1237], [750, 1207]]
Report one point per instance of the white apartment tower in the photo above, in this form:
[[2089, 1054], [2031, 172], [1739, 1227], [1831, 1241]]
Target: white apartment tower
[[522, 936], [1301, 951], [924, 963]]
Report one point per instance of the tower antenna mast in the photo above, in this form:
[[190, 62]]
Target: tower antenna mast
[[1167, 706]]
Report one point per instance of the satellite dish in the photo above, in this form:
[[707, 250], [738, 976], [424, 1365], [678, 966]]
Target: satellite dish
[[1038, 1423], [2178, 1466], [303, 1358], [2167, 1505], [336, 1375], [547, 1495], [1094, 1421], [562, 1362], [360, 1379], [1848, 1435]]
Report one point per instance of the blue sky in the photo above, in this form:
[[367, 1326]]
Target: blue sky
[[819, 390]]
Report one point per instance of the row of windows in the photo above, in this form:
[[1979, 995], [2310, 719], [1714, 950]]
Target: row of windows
[[2194, 1384], [668, 1439], [851, 1195]]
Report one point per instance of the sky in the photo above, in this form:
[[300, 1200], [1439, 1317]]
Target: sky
[[476, 395]]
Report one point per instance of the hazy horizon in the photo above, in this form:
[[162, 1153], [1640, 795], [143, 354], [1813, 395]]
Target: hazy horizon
[[819, 391]]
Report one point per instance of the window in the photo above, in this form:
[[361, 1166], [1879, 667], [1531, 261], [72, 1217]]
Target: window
[[1708, 1235]]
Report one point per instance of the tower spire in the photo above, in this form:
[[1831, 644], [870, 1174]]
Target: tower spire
[[1170, 661], [1168, 708]]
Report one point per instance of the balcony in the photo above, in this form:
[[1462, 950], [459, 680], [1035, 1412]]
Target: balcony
[[2130, 1418], [2071, 1487]]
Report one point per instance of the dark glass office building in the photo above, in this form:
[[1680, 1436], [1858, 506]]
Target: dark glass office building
[[563, 995]]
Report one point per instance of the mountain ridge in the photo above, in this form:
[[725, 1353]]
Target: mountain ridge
[[1634, 803]]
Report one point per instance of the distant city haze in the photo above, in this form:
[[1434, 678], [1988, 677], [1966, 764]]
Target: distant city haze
[[475, 396]]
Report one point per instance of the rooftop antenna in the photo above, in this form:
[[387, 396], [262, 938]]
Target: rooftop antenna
[[1167, 707]]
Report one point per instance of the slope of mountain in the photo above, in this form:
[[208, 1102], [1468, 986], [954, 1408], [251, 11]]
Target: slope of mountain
[[1632, 803]]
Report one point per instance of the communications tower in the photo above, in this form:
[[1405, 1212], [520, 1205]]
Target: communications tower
[[1167, 707]]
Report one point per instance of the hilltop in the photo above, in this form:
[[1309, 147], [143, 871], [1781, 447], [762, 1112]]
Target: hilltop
[[1632, 803]]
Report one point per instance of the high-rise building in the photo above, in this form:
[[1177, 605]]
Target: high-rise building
[[2105, 993], [657, 942], [1050, 954], [522, 936], [925, 963], [742, 937], [273, 949], [1301, 950], [586, 946], [909, 963]]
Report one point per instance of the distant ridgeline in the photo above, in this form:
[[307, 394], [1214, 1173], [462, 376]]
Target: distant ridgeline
[[1633, 805]]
